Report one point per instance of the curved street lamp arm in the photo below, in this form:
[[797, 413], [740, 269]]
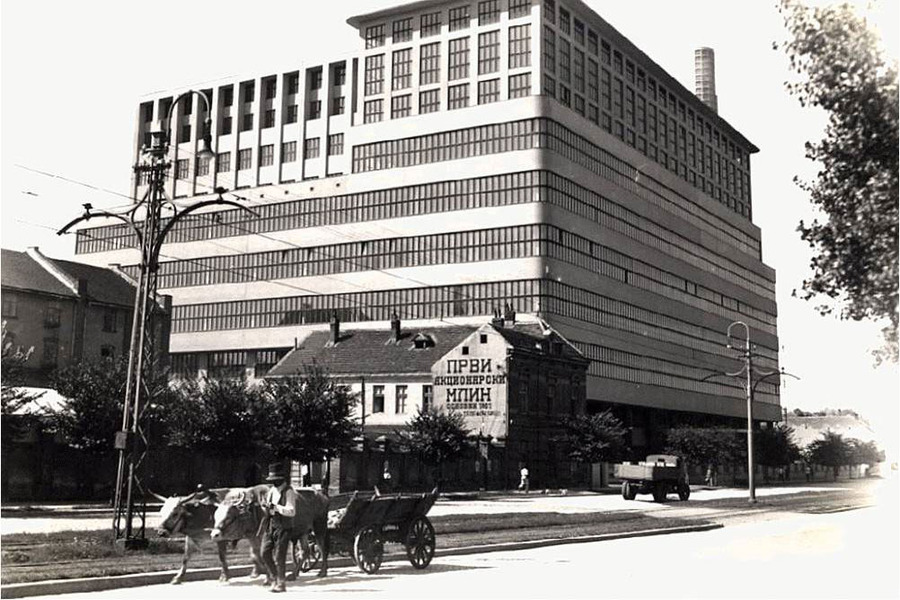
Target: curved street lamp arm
[[176, 218], [771, 374], [100, 213]]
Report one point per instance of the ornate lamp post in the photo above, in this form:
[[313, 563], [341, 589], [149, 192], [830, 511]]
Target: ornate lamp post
[[145, 219]]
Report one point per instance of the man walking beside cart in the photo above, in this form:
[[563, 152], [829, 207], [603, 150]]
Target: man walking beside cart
[[280, 506]]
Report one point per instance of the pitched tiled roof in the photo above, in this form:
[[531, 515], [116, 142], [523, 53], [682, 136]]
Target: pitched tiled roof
[[367, 351], [532, 338], [104, 285], [20, 271]]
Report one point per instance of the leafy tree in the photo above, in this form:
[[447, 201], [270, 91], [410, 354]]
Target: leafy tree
[[775, 446], [863, 453], [830, 451], [842, 72], [712, 446], [94, 393], [217, 416], [91, 413], [14, 400], [594, 438], [308, 417], [436, 436]]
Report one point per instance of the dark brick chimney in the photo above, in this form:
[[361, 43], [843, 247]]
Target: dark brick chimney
[[395, 326], [335, 327]]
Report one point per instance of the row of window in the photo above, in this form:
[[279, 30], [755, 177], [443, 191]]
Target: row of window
[[458, 55], [311, 149], [518, 188], [640, 111], [457, 97], [226, 364], [637, 368], [522, 241], [459, 17], [226, 99], [542, 133], [540, 296]]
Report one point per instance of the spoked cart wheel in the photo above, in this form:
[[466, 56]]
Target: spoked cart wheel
[[368, 549], [684, 491], [420, 542], [313, 555]]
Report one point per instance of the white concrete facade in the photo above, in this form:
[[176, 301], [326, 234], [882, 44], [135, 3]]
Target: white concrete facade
[[633, 239]]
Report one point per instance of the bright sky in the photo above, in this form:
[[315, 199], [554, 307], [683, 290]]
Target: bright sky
[[74, 72]]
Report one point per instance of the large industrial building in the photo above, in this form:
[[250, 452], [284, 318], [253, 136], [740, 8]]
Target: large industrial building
[[465, 156]]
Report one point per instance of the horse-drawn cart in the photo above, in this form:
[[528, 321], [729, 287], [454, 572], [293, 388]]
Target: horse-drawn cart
[[658, 475], [363, 526]]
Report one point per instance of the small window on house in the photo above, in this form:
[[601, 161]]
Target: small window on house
[[377, 398], [483, 338], [51, 351], [107, 351], [52, 315], [10, 306], [427, 397], [400, 395], [465, 349]]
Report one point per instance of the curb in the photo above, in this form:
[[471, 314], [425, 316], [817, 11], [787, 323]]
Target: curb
[[97, 584]]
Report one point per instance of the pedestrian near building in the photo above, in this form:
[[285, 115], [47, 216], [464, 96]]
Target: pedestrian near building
[[524, 483], [280, 506]]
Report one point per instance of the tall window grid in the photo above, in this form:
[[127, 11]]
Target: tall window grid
[[402, 30], [374, 75], [429, 101], [288, 152], [430, 24], [488, 52], [488, 12], [519, 8], [520, 46], [549, 50], [245, 159], [401, 106], [401, 73], [181, 168], [373, 111], [459, 18], [335, 144], [374, 36], [457, 96], [266, 155], [459, 59], [430, 63], [311, 148], [488, 91], [520, 85]]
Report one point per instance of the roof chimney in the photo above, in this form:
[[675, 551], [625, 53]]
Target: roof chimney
[[395, 326], [497, 320], [335, 327], [705, 77]]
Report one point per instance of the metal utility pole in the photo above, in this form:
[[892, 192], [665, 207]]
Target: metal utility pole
[[145, 219], [748, 367]]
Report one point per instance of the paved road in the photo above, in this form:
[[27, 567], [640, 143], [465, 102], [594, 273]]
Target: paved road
[[516, 504], [851, 554]]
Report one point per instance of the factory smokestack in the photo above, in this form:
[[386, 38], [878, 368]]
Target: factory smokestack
[[705, 77]]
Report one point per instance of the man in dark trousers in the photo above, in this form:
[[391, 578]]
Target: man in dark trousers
[[280, 506]]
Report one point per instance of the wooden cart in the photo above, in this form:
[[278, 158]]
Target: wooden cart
[[364, 523], [659, 475]]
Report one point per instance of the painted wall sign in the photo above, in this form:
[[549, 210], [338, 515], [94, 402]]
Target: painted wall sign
[[474, 384]]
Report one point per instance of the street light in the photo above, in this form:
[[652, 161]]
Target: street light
[[144, 218]]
